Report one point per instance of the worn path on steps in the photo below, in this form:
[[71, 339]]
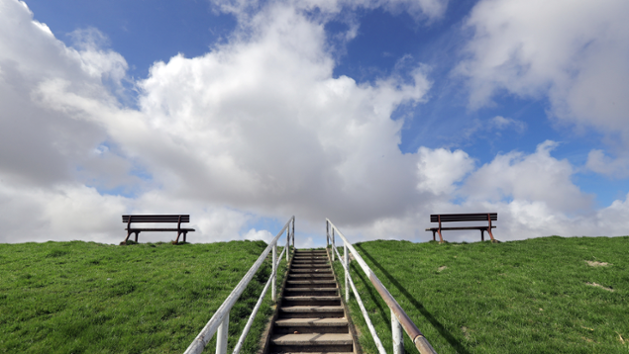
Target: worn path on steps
[[311, 317]]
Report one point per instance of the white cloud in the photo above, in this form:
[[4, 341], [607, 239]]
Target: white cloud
[[575, 53], [599, 162], [268, 128], [534, 178], [440, 169], [264, 235], [258, 125], [502, 123]]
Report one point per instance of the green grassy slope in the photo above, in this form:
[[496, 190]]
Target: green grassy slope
[[533, 296], [78, 297]]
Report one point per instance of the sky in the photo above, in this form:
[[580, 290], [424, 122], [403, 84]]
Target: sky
[[372, 113]]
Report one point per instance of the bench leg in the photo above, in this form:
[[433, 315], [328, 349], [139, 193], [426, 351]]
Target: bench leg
[[482, 235], [136, 237], [184, 237], [433, 235], [440, 237], [493, 240], [127, 238], [177, 239]]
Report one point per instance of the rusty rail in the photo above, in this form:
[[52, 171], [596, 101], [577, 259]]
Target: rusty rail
[[399, 318]]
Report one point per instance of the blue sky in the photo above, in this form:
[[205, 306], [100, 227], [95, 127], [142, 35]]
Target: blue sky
[[372, 113]]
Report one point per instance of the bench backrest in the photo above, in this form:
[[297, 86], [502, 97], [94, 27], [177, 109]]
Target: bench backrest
[[463, 217], [155, 218]]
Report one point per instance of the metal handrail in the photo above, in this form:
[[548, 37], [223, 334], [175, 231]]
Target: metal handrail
[[220, 320], [399, 318]]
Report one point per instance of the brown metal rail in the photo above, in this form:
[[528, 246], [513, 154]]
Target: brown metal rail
[[421, 343]]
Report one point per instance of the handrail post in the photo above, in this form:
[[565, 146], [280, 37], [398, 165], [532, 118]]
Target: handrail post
[[273, 290], [222, 334], [327, 234], [346, 261], [293, 233], [333, 245], [397, 335], [287, 243]]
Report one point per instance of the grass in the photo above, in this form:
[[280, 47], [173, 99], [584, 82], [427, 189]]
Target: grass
[[535, 296], [78, 297]]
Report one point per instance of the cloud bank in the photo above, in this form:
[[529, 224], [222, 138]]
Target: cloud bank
[[257, 128]]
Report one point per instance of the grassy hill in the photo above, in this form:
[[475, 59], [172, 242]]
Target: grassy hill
[[78, 297], [544, 295]]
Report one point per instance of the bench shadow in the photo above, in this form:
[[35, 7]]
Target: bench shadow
[[418, 305]]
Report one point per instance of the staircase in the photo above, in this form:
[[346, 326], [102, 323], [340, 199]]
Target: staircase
[[310, 317]]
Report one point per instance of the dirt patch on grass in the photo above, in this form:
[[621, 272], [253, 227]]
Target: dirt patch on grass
[[600, 286], [441, 268], [597, 264], [466, 332]]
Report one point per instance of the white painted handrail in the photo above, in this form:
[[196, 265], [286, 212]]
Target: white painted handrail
[[219, 323], [372, 329], [399, 318]]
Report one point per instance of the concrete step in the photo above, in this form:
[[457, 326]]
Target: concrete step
[[312, 342], [310, 291], [306, 276], [311, 301], [308, 353], [311, 256], [310, 284], [310, 271], [311, 325], [311, 312], [311, 265]]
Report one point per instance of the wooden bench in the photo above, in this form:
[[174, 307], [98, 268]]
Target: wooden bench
[[128, 219], [441, 218]]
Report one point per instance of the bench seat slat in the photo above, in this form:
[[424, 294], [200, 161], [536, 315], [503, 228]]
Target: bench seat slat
[[463, 217], [155, 218], [461, 228], [133, 229]]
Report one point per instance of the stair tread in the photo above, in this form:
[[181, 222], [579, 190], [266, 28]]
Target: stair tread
[[312, 309], [314, 322], [313, 297], [324, 281], [312, 339], [308, 352]]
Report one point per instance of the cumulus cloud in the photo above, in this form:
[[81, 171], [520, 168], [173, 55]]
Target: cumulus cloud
[[258, 124], [267, 127], [537, 177], [601, 163], [574, 53], [439, 169]]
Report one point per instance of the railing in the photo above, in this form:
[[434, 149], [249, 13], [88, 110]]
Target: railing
[[220, 321], [399, 318]]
